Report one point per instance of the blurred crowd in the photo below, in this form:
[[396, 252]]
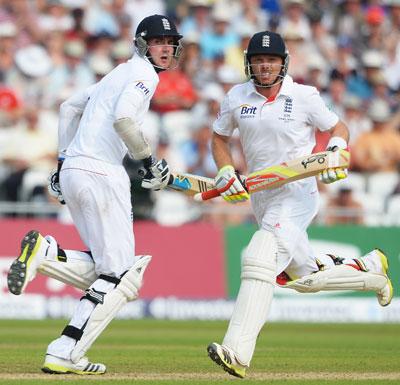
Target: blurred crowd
[[348, 49]]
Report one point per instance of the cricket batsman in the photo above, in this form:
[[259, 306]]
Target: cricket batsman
[[276, 119], [97, 128]]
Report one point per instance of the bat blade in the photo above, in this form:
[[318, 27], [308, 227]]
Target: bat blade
[[279, 175], [190, 184]]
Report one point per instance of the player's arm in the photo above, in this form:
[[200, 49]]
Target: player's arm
[[68, 121], [69, 117], [338, 141], [131, 103]]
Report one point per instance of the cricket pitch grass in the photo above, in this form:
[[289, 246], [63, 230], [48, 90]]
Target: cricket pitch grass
[[174, 352]]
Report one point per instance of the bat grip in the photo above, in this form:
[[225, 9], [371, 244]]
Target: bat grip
[[206, 195]]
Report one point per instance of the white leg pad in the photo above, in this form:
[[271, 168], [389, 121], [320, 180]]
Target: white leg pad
[[340, 277], [79, 274], [127, 290], [255, 296]]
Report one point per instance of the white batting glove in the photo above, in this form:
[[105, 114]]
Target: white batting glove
[[229, 185], [334, 174], [157, 174]]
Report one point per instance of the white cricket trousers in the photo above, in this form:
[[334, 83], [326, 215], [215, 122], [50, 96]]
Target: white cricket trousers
[[99, 199], [287, 212]]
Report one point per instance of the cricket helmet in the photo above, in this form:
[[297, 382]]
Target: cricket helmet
[[156, 26], [266, 43]]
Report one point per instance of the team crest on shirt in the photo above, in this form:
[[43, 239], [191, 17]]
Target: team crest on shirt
[[142, 88], [287, 111], [247, 111]]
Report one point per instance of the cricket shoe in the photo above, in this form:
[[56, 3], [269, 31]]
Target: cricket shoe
[[33, 250], [223, 357], [55, 365], [376, 262]]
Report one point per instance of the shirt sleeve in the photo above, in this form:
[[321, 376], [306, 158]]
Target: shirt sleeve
[[320, 115], [70, 115], [135, 99], [224, 124]]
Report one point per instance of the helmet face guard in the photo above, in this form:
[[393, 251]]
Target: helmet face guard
[[266, 43], [157, 26]]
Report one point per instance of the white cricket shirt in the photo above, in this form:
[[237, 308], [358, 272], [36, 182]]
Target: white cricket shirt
[[277, 131], [125, 92]]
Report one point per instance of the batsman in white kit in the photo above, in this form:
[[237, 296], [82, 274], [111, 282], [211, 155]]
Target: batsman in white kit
[[96, 130], [276, 119]]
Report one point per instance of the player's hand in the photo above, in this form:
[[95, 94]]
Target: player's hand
[[53, 185], [331, 175], [229, 185], [156, 174]]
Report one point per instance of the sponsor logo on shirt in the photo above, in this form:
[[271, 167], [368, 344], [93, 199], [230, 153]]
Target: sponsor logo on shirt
[[143, 88], [247, 111]]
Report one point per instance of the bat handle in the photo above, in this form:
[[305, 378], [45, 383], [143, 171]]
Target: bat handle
[[206, 195]]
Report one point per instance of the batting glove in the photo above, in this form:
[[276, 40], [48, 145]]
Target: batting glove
[[331, 175], [156, 174], [230, 186], [53, 185]]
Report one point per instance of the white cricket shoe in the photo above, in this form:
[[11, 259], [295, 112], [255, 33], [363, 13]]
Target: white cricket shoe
[[377, 262], [55, 365], [225, 358], [33, 251]]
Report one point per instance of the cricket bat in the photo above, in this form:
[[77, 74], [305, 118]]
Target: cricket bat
[[276, 176], [190, 184]]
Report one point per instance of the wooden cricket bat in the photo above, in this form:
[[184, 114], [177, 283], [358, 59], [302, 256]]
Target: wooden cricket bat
[[300, 168], [190, 184]]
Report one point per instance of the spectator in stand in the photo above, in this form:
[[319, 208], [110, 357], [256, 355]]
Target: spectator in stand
[[221, 37], [191, 61], [374, 28], [294, 18], [344, 209], [317, 72], [55, 17], [121, 51], [251, 16], [28, 168], [198, 19], [296, 45], [392, 44], [379, 149], [29, 77], [349, 20], [8, 39], [234, 54], [322, 42], [77, 30], [354, 117], [74, 75], [174, 92], [361, 85]]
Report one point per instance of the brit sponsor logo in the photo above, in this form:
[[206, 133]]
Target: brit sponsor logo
[[143, 88], [247, 111]]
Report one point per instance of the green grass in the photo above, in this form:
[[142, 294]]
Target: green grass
[[174, 352]]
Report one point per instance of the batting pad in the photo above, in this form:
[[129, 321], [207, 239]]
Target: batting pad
[[127, 290], [79, 274], [255, 295], [340, 277]]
